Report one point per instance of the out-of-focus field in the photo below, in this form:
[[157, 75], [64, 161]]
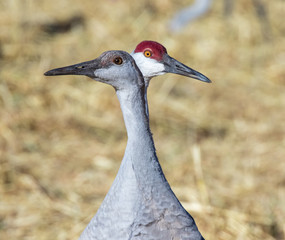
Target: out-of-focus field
[[221, 145]]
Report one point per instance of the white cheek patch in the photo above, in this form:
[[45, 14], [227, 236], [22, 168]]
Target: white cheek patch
[[149, 67]]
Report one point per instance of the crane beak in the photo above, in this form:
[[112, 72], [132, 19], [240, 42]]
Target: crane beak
[[85, 68], [173, 66]]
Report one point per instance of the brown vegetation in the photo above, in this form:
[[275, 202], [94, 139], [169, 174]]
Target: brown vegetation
[[221, 145]]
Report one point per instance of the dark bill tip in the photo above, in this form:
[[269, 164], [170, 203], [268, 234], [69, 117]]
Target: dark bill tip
[[176, 67], [199, 76], [50, 73]]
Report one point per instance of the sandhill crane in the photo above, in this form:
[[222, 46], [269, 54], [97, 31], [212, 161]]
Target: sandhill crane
[[140, 203], [153, 60]]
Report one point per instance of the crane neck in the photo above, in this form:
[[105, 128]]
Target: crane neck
[[140, 148], [133, 107]]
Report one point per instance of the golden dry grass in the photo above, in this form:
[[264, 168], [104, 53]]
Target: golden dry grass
[[222, 145]]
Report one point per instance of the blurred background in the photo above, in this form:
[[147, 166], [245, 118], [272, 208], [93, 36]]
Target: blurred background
[[221, 145]]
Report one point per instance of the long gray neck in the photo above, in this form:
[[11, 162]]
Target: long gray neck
[[133, 108], [140, 148]]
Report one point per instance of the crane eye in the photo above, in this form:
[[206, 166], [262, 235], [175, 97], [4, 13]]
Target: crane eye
[[147, 53], [118, 60]]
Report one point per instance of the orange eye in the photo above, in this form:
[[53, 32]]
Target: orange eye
[[118, 60], [147, 53]]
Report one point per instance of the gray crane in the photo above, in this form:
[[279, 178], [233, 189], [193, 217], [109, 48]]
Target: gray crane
[[140, 203]]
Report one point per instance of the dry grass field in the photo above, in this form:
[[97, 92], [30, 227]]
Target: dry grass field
[[221, 145]]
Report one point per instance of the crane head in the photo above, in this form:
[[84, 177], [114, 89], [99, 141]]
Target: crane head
[[153, 60], [116, 68]]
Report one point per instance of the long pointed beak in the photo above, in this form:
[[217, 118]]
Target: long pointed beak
[[85, 68], [176, 67]]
